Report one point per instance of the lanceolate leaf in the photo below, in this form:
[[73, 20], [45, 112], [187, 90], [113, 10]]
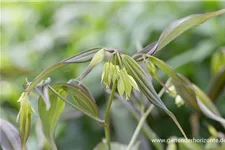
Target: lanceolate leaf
[[189, 92], [9, 136], [146, 86], [82, 57], [79, 97], [178, 27], [78, 58], [175, 29], [49, 118]]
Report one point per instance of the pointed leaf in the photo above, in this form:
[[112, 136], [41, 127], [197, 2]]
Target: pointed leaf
[[146, 86], [81, 98], [78, 58], [82, 57], [190, 93], [49, 118], [178, 27], [175, 29]]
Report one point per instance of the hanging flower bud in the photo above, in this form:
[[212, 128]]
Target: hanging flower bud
[[24, 117], [97, 58], [105, 74], [126, 83]]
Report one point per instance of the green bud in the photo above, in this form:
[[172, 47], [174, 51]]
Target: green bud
[[120, 86], [97, 58], [24, 118], [105, 74]]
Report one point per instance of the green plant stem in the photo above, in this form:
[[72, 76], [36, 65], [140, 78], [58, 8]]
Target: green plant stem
[[140, 124], [142, 121], [106, 127]]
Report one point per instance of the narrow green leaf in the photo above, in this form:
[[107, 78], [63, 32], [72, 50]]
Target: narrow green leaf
[[190, 93], [81, 98], [175, 29], [146, 86], [78, 58], [49, 118], [10, 138], [180, 26], [82, 57]]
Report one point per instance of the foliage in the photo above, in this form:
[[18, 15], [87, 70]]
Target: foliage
[[121, 73]]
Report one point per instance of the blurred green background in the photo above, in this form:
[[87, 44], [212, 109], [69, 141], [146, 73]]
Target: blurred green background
[[35, 35]]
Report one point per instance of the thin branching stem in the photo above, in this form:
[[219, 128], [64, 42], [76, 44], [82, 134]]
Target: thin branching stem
[[107, 113], [142, 121]]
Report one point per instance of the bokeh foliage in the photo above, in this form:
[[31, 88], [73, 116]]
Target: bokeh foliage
[[35, 35]]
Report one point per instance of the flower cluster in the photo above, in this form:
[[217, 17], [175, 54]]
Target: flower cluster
[[125, 82]]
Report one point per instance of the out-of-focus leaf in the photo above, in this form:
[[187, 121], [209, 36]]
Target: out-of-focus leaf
[[146, 86], [9, 136], [189, 92], [115, 146], [81, 98], [175, 29], [172, 145], [188, 145], [180, 26], [49, 118], [207, 107], [42, 89], [218, 61], [24, 118], [217, 84]]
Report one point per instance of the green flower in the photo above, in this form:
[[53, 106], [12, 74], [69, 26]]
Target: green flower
[[126, 83]]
